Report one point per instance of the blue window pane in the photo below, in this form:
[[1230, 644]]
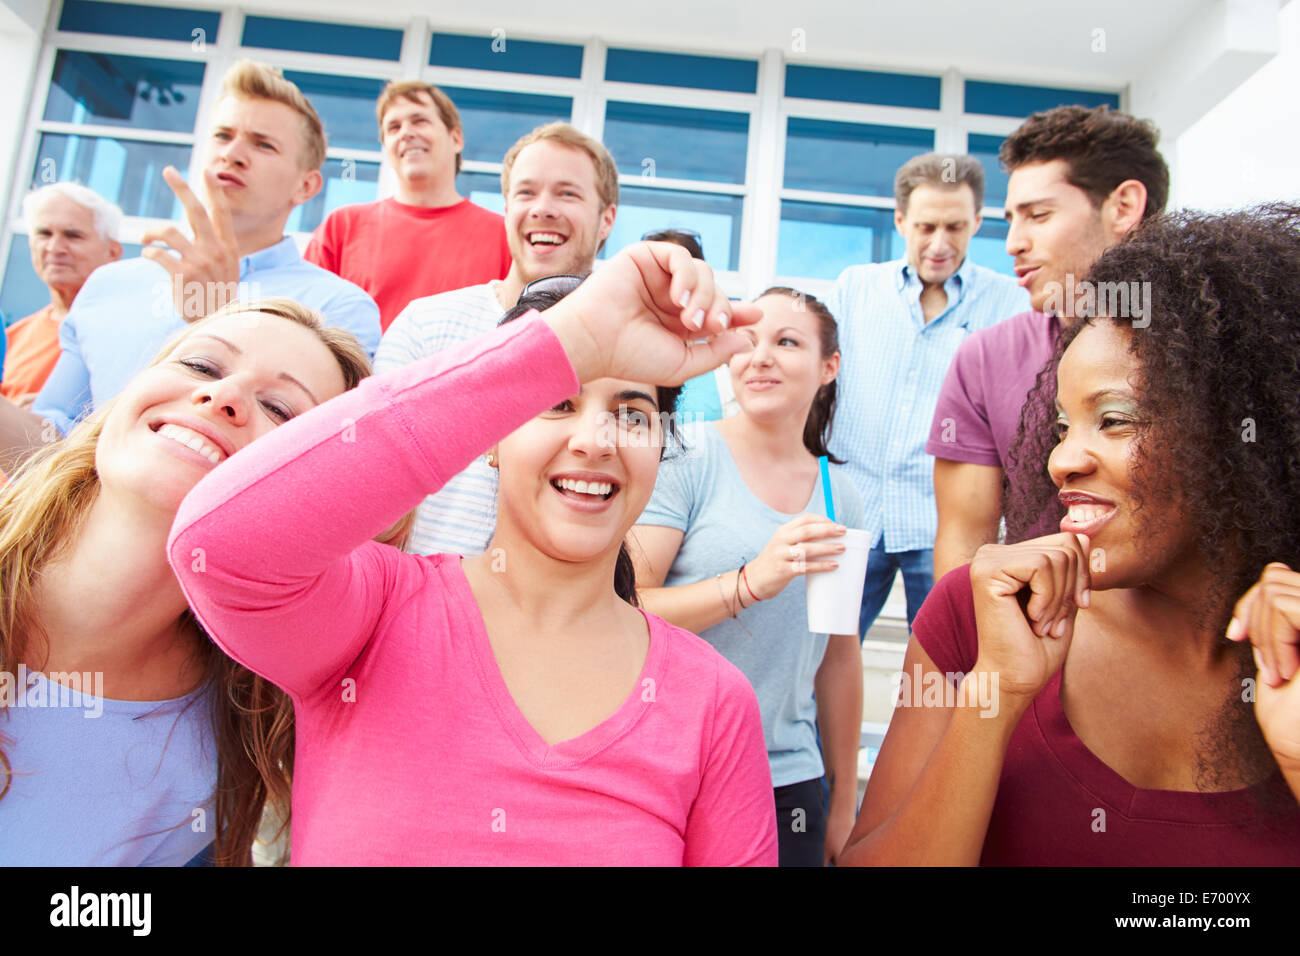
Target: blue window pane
[[483, 189], [23, 292], [677, 143], [985, 149], [493, 120], [862, 86], [126, 172], [346, 105], [849, 157], [312, 36], [134, 91], [135, 20], [988, 247], [503, 54], [681, 69], [716, 218], [819, 241], [346, 182], [1009, 99]]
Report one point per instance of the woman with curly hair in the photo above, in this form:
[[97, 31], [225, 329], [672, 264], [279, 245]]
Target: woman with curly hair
[[119, 719], [1073, 699]]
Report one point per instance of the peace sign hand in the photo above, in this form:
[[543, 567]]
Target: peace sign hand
[[205, 274]]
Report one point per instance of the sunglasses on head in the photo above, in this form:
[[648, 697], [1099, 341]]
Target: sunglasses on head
[[560, 285]]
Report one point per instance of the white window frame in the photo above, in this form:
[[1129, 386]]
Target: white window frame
[[769, 110]]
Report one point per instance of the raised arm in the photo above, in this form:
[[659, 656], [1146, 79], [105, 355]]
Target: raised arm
[[269, 546], [273, 545]]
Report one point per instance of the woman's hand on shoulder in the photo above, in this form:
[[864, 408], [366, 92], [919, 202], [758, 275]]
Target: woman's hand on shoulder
[[637, 316], [1268, 615], [805, 545], [1026, 596]]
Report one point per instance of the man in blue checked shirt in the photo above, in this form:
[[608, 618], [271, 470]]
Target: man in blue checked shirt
[[900, 325]]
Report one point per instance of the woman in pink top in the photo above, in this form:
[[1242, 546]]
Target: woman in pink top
[[1078, 698], [512, 708]]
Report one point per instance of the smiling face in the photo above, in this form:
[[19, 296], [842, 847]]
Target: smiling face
[[231, 381], [780, 374], [417, 144], [257, 151], [1055, 230], [554, 220], [1100, 420], [938, 226], [66, 249], [575, 478]]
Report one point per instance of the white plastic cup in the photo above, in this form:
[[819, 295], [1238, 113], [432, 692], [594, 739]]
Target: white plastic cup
[[835, 597]]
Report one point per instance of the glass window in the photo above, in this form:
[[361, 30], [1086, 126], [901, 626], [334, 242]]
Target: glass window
[[855, 158], [346, 182], [312, 36], [819, 241], [862, 86], [346, 105], [493, 120], [681, 69], [1010, 99], [134, 20], [677, 143], [482, 188], [985, 149], [503, 53], [23, 292], [988, 247], [716, 218], [114, 90], [127, 172]]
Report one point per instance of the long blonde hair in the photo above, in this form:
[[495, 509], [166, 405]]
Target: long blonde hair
[[42, 511]]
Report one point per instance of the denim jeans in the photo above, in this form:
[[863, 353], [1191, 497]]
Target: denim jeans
[[918, 578]]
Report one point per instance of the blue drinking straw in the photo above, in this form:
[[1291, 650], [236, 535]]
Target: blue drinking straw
[[826, 487]]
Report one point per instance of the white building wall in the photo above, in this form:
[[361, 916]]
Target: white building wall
[[1246, 149]]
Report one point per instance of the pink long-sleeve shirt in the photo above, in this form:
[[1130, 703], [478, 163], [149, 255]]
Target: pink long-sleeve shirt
[[409, 747]]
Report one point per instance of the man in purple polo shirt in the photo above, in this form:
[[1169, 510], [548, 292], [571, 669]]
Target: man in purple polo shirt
[[1081, 180]]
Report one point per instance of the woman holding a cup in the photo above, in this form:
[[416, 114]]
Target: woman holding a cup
[[723, 548]]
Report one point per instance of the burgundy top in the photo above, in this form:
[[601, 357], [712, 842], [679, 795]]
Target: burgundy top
[[1053, 787]]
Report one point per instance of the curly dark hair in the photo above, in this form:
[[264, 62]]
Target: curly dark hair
[[1103, 147], [1220, 398]]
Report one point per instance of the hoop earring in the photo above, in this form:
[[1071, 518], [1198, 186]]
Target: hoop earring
[[491, 460]]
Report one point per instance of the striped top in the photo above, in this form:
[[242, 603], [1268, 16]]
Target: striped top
[[461, 517], [892, 366]]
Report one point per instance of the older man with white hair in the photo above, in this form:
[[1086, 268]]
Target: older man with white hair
[[71, 231]]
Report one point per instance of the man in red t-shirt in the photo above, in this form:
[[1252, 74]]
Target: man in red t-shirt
[[72, 231], [426, 239]]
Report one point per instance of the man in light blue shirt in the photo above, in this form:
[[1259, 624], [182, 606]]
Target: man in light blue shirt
[[262, 159], [900, 325]]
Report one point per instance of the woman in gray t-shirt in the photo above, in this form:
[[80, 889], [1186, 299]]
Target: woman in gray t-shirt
[[733, 525]]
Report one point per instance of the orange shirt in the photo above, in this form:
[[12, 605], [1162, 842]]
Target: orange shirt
[[31, 353]]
